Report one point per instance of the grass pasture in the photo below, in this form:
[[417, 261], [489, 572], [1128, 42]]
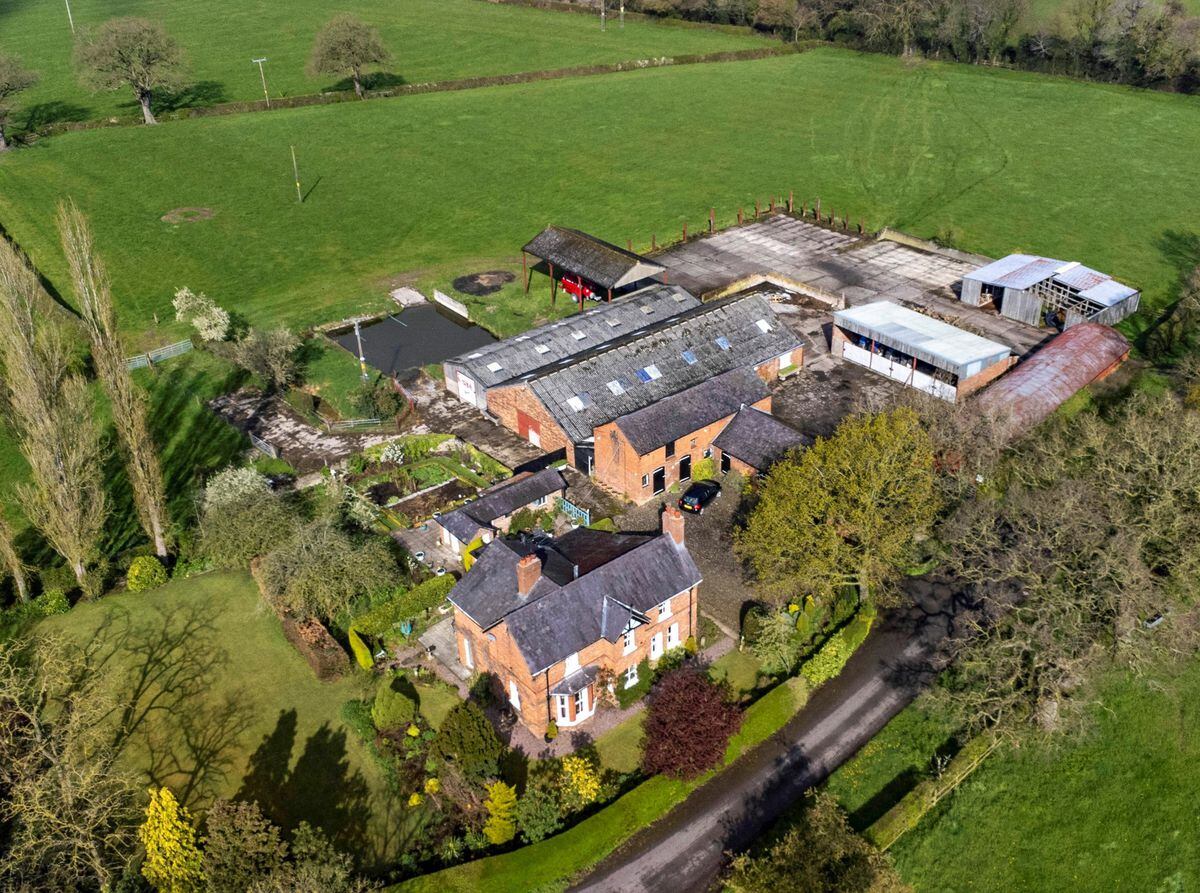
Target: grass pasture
[[430, 40], [429, 187], [228, 707]]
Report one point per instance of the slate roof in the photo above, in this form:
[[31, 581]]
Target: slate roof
[[1051, 376], [617, 378], [758, 438], [564, 613], [595, 260], [1022, 271], [691, 409], [467, 521], [941, 344], [556, 341]]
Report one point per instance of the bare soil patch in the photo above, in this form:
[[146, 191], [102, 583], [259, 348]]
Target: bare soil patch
[[188, 215], [480, 284]]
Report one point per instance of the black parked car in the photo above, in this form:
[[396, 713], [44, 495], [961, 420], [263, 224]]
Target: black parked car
[[698, 495]]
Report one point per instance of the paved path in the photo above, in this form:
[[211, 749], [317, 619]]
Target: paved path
[[687, 849]]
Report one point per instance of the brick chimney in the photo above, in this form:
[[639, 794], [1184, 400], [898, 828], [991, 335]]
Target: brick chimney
[[672, 523], [529, 571]]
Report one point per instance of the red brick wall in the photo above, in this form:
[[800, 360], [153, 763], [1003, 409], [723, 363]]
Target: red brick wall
[[618, 466], [505, 403], [968, 386]]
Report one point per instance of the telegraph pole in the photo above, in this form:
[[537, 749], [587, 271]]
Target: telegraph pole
[[262, 74], [296, 172], [603, 13], [362, 360], [70, 18]]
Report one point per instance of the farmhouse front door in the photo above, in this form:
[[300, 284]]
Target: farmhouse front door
[[685, 468], [660, 480]]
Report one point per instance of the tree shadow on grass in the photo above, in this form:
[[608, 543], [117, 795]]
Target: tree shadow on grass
[[319, 789], [41, 115], [201, 93], [1181, 250], [379, 80]]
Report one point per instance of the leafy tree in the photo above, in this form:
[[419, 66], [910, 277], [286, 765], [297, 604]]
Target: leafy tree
[[347, 45], [134, 53], [237, 527], [270, 355], [128, 403], [580, 783], [689, 721], [393, 708], [845, 511], [322, 569], [233, 485], [501, 806], [173, 862], [540, 811], [66, 804], [468, 740], [210, 321], [13, 79], [819, 853], [52, 411], [777, 643], [240, 847], [316, 866]]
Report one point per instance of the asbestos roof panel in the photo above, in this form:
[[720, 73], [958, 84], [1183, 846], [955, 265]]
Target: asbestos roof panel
[[1109, 292], [691, 409], [662, 346], [600, 262], [758, 438], [1040, 384], [1022, 271], [505, 498], [922, 336], [521, 354]]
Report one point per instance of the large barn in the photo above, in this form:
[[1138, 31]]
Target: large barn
[[917, 350], [1043, 291]]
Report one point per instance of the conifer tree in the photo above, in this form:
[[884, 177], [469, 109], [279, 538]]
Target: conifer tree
[[174, 863]]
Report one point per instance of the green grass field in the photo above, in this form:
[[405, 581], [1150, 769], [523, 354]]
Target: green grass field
[[430, 40], [236, 709], [1113, 810], [439, 185]]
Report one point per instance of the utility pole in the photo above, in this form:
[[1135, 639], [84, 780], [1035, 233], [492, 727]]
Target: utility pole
[[603, 13], [362, 360], [622, 13], [296, 172], [262, 74], [70, 18]]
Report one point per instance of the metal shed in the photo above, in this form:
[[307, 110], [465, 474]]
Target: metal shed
[[1041, 290], [918, 350], [587, 266]]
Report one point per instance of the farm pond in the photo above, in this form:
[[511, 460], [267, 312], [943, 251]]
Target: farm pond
[[414, 337]]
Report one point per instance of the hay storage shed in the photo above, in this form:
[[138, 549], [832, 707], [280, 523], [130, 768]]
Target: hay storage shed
[[587, 266]]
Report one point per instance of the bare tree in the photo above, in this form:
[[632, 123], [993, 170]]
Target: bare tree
[[347, 45], [53, 414], [271, 355], [895, 24], [792, 16], [10, 558], [69, 808], [128, 401], [131, 52], [13, 79]]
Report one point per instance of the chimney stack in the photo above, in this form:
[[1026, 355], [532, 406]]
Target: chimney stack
[[529, 571], [672, 523]]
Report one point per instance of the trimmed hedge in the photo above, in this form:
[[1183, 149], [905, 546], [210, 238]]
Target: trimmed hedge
[[832, 656], [404, 605]]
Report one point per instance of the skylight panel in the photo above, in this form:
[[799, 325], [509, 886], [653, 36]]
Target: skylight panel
[[579, 402], [689, 358], [613, 323], [723, 342], [494, 367], [578, 335], [541, 348], [616, 387], [763, 326], [647, 309], [650, 373], [474, 356]]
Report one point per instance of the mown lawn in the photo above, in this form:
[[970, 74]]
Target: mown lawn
[[430, 40], [440, 185], [1112, 810], [237, 709]]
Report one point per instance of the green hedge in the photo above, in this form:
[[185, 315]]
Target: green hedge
[[403, 605], [832, 656]]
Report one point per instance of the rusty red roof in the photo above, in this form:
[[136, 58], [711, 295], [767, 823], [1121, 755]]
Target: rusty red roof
[[1051, 376]]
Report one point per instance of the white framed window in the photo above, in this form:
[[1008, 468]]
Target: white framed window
[[631, 676], [571, 664], [664, 610], [785, 360], [645, 480], [673, 636], [630, 640], [656, 646], [514, 696], [581, 702], [564, 710], [616, 387], [468, 657], [541, 500]]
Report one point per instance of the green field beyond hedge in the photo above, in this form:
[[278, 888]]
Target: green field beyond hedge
[[430, 40], [453, 183]]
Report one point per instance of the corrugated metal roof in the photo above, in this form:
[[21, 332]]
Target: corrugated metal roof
[[595, 260], [924, 337], [1022, 271], [660, 349], [574, 335], [1051, 376]]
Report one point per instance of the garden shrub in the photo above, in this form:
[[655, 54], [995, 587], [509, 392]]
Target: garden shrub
[[777, 643], [538, 812], [608, 525], [688, 724], [393, 708], [467, 739], [501, 806], [51, 602], [832, 656], [362, 654], [579, 782], [57, 577], [404, 605], [552, 731], [633, 694], [704, 470], [145, 572]]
